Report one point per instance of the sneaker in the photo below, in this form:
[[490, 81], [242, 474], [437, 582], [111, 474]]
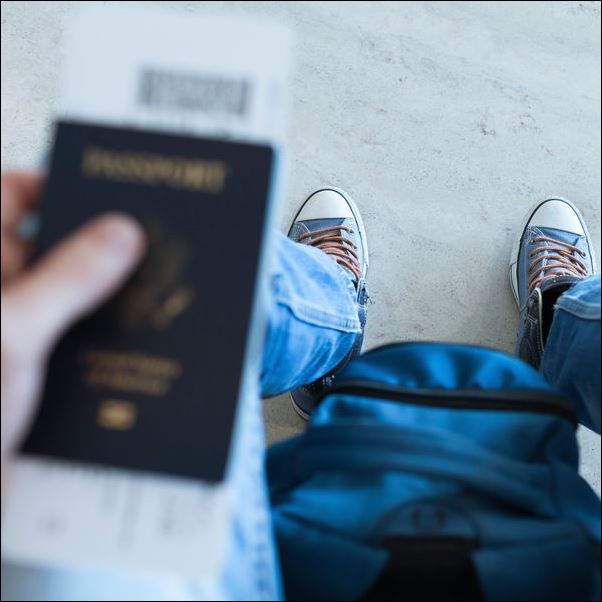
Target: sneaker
[[552, 252], [329, 220]]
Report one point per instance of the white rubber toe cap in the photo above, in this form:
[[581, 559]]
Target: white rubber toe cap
[[557, 214], [325, 204]]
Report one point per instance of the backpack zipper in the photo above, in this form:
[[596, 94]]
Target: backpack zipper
[[509, 400]]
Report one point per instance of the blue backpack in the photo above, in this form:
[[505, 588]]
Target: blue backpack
[[436, 472]]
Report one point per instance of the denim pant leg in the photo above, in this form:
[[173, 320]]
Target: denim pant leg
[[571, 360], [313, 317], [312, 323]]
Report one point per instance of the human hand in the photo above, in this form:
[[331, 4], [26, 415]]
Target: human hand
[[40, 302]]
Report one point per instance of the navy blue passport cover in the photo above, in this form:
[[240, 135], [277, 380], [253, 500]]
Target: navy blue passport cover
[[151, 380]]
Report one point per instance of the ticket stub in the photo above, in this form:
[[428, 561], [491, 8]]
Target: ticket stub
[[216, 76]]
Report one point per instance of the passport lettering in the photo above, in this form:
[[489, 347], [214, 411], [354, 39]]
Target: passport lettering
[[153, 169]]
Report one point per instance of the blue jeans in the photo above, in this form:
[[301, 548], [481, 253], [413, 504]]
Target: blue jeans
[[313, 322], [571, 361]]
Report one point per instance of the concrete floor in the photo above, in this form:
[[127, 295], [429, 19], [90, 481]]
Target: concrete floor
[[444, 120]]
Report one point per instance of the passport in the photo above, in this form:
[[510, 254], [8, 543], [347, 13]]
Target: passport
[[151, 380]]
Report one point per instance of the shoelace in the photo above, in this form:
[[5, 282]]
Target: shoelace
[[562, 258], [331, 241]]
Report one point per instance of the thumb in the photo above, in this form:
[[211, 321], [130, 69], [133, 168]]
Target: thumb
[[75, 277]]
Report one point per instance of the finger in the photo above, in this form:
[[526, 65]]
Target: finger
[[14, 256], [75, 277], [21, 191]]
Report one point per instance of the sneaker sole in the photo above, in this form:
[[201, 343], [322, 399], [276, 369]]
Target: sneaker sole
[[301, 413], [513, 270], [362, 232]]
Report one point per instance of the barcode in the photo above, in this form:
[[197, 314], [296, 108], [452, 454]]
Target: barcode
[[193, 92]]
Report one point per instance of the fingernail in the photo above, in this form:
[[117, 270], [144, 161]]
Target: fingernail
[[122, 233]]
